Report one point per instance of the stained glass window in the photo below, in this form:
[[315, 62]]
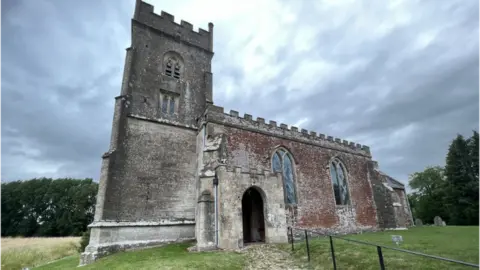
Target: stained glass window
[[339, 182], [282, 162], [277, 163]]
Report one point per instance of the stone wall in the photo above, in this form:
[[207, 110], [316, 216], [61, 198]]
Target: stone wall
[[147, 192], [404, 211], [250, 144], [148, 83], [393, 209], [158, 176], [232, 186], [150, 169], [383, 199]]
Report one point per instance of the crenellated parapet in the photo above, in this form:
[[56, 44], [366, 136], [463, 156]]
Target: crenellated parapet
[[165, 23], [217, 115]]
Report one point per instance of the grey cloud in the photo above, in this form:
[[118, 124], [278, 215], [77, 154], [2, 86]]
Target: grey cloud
[[434, 88], [66, 121]]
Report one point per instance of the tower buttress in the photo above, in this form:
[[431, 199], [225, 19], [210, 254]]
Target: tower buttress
[[147, 181]]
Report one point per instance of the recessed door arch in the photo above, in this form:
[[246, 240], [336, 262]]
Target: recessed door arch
[[253, 216]]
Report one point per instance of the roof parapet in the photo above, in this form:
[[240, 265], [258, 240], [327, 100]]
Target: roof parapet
[[217, 112], [165, 23]]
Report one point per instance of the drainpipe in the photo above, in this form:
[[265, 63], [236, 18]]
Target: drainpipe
[[215, 187]]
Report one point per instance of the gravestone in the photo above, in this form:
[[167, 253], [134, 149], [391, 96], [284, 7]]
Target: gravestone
[[443, 223], [397, 239], [418, 222], [437, 221]]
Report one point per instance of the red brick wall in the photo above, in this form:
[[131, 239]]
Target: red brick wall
[[316, 203]]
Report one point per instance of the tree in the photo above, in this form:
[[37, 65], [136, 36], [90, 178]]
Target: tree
[[461, 172], [428, 181], [472, 212], [413, 202], [428, 194], [473, 148], [47, 207]]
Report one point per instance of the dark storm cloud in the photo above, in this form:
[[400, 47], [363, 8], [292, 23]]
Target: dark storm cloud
[[403, 79], [61, 68], [407, 101]]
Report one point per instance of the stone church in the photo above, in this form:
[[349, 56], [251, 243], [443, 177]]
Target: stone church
[[180, 168]]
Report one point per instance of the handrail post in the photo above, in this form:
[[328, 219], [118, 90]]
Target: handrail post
[[333, 253], [291, 237], [308, 247], [380, 258]]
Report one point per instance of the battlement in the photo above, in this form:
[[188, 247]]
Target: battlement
[[165, 23], [216, 114]]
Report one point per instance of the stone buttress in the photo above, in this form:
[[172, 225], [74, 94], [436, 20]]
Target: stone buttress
[[147, 192]]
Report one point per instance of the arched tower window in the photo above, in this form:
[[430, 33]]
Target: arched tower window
[[282, 161], [339, 181], [173, 65]]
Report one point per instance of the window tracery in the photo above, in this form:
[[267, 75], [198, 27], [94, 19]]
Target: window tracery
[[173, 65], [339, 182], [168, 104], [282, 162]]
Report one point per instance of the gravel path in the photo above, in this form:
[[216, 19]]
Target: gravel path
[[264, 256]]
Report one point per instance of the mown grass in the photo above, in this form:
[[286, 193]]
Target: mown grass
[[19, 252], [174, 256], [458, 243]]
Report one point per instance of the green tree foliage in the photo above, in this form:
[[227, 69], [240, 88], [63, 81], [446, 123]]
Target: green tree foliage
[[450, 192], [47, 207], [473, 152], [472, 188], [462, 177], [84, 241], [429, 187]]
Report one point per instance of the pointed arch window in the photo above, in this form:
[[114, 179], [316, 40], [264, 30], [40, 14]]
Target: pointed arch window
[[339, 182], [173, 65], [282, 161], [172, 68]]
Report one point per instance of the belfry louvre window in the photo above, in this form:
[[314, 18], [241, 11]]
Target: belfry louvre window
[[172, 68], [282, 161], [339, 182]]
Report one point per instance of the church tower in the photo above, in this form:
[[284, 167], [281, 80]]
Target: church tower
[[147, 185]]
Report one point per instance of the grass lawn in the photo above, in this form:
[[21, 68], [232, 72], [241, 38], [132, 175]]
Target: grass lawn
[[174, 256], [21, 252], [459, 243]]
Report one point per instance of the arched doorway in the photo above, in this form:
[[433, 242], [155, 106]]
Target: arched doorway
[[252, 215]]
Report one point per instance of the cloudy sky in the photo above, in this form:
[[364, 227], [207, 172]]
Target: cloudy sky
[[399, 76]]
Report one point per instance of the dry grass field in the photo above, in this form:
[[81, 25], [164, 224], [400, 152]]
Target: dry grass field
[[21, 252]]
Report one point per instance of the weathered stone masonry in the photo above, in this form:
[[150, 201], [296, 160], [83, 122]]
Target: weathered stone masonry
[[169, 142], [250, 145], [147, 192]]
